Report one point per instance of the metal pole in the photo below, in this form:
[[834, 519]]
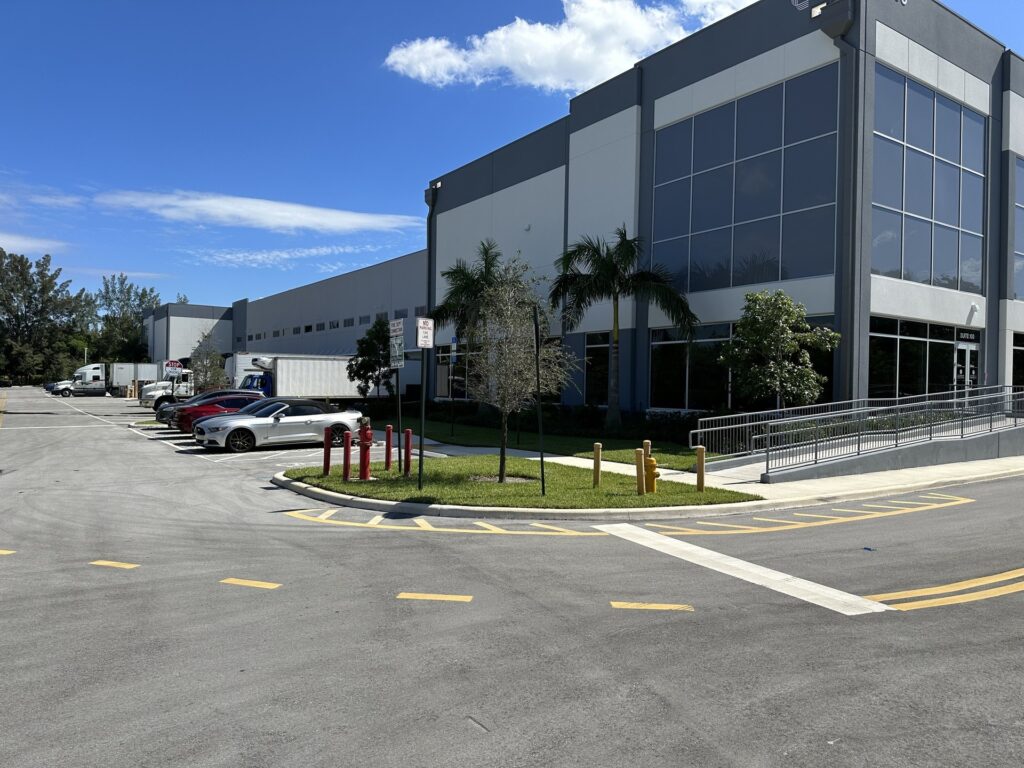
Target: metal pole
[[540, 409], [424, 359], [398, 398]]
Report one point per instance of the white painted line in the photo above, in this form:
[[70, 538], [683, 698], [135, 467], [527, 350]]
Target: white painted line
[[70, 426], [808, 591]]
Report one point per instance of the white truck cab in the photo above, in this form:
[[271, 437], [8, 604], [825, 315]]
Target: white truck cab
[[167, 390]]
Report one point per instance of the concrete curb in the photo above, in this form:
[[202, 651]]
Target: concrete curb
[[408, 508]]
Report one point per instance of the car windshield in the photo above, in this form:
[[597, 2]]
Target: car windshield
[[256, 405], [267, 409]]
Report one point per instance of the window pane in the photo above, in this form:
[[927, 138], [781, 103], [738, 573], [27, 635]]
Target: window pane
[[947, 128], [755, 257], [918, 197], [597, 376], [913, 367], [812, 104], [713, 137], [946, 257], [942, 332], [672, 152], [888, 173], [972, 202], [668, 376], [1018, 277], [974, 141], [809, 243], [1018, 368], [886, 243], [920, 116], [758, 187], [940, 367], [709, 379], [810, 174], [917, 250], [882, 367], [712, 199], [674, 255], [947, 193], [889, 95], [759, 122], [1018, 218], [672, 210], [709, 260], [887, 325], [913, 329], [970, 263]]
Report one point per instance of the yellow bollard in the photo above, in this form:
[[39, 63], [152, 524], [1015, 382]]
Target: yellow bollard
[[597, 465], [701, 455], [647, 449], [640, 484], [651, 474]]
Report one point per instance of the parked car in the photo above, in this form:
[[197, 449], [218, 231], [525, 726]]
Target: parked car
[[280, 422], [254, 406], [167, 411], [183, 417]]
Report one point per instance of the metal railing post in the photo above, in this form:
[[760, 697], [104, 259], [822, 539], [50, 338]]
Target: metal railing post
[[860, 430], [897, 427], [816, 422], [963, 418]]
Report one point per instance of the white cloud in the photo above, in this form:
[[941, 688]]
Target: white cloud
[[280, 258], [227, 210], [57, 200], [23, 244], [596, 40]]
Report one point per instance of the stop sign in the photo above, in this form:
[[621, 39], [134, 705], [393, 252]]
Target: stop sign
[[173, 368]]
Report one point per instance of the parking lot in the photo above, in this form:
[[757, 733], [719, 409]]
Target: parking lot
[[164, 606]]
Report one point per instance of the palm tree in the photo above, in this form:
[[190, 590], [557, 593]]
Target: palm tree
[[466, 284], [593, 270]]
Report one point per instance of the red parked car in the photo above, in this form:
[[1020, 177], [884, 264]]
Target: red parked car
[[215, 407]]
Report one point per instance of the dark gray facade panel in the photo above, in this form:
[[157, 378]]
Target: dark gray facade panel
[[534, 154], [201, 311], [574, 393], [1013, 73], [607, 99], [849, 282], [239, 323]]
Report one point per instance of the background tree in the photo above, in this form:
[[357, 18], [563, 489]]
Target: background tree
[[505, 377], [207, 365], [122, 304], [460, 307], [769, 352], [181, 299], [592, 271], [370, 368]]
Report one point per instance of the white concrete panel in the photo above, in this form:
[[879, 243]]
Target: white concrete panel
[[1011, 320], [599, 318], [795, 57], [952, 80], [913, 301], [817, 294], [977, 94], [623, 125], [1012, 313], [924, 65], [1013, 123], [892, 47]]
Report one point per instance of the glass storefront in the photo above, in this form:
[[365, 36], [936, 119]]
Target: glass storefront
[[912, 358]]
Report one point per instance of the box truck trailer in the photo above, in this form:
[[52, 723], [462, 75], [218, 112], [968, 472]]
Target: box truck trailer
[[318, 377]]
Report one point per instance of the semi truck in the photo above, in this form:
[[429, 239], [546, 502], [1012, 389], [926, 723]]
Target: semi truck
[[318, 377], [100, 378], [167, 390]]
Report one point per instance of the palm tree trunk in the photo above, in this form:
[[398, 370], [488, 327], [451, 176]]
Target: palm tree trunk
[[504, 447], [613, 419]]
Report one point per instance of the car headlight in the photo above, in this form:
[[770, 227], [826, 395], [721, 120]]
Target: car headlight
[[216, 429]]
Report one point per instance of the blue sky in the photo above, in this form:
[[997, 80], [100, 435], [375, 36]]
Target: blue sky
[[230, 149]]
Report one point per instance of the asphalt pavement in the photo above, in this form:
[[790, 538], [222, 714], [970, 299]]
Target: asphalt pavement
[[161, 606]]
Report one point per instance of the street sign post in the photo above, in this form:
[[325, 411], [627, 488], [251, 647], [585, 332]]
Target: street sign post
[[425, 342], [424, 333], [397, 349]]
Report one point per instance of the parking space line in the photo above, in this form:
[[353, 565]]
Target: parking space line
[[958, 586], [821, 517], [114, 564], [651, 606], [326, 515], [7, 551], [489, 527], [970, 597], [251, 583], [430, 596], [730, 525], [808, 591], [422, 523], [555, 528], [376, 520]]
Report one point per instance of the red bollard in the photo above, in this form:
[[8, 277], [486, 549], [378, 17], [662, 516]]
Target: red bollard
[[389, 431], [408, 452], [365, 444], [346, 471], [328, 435]]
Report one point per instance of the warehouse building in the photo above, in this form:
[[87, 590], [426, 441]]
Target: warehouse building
[[865, 156]]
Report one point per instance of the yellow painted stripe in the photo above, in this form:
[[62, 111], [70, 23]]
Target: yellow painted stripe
[[958, 586], [853, 511], [430, 596], [114, 564], [773, 520], [7, 551], [423, 524], [652, 606], [822, 517], [555, 528], [729, 525], [326, 515], [250, 583], [489, 527], [376, 520], [887, 506], [970, 597]]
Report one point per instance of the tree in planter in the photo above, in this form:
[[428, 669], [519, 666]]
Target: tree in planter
[[371, 365], [506, 376], [207, 365], [770, 351], [592, 271]]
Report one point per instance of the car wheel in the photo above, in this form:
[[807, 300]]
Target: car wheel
[[65, 393], [240, 441], [338, 435]]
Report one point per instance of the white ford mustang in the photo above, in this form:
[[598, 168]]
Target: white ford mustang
[[278, 422]]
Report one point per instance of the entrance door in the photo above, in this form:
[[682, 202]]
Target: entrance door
[[966, 374]]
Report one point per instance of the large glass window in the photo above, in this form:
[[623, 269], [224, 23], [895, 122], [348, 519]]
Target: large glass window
[[596, 370], [668, 370], [1018, 359], [910, 358], [1017, 285], [674, 255], [929, 161], [741, 168]]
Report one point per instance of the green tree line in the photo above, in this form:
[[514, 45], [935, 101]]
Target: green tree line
[[47, 328]]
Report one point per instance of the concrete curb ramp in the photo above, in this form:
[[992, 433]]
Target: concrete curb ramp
[[407, 508]]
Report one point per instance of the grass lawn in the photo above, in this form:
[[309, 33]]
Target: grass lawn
[[669, 455], [470, 480]]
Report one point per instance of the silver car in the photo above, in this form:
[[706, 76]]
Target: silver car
[[279, 422]]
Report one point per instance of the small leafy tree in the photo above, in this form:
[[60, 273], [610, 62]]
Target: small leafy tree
[[370, 368], [505, 376], [466, 283], [207, 365], [770, 351]]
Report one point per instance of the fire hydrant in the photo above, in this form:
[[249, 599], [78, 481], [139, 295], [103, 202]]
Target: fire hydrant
[[365, 443], [651, 474]]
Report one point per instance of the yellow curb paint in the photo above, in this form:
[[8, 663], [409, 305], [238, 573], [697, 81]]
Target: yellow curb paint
[[970, 597], [958, 586], [420, 529], [114, 564], [430, 596], [250, 583], [651, 606]]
